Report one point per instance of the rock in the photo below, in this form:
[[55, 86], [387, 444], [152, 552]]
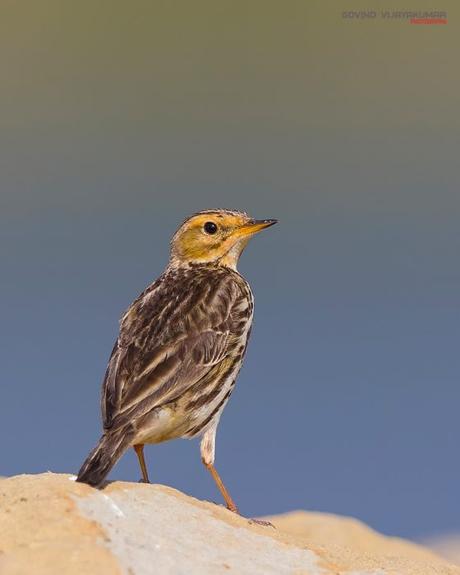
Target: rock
[[51, 525], [448, 546]]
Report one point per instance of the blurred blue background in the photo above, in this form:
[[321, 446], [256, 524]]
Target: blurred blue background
[[120, 119]]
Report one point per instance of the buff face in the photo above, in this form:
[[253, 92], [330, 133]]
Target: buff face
[[214, 237]]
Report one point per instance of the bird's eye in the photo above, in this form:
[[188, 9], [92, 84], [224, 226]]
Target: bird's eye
[[210, 228]]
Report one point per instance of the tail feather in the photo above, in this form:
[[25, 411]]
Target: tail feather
[[103, 457]]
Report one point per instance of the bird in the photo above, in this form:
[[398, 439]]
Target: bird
[[180, 348]]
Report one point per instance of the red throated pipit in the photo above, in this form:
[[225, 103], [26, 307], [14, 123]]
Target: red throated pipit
[[180, 347]]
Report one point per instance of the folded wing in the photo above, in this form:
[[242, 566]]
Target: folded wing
[[170, 338]]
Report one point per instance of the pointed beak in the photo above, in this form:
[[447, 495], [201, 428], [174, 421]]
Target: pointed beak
[[255, 226]]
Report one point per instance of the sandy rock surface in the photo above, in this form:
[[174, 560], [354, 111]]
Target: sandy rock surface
[[447, 546], [51, 525]]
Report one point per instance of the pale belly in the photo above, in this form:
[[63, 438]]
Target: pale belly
[[175, 420], [163, 424]]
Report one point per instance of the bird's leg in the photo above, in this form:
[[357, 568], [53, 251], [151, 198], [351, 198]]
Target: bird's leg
[[225, 494], [207, 456], [139, 449]]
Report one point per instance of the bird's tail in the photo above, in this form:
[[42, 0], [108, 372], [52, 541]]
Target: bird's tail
[[103, 457]]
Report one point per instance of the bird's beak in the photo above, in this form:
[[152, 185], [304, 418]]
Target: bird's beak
[[254, 226]]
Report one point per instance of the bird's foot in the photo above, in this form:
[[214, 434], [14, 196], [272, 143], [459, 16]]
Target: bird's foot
[[262, 522], [142, 480], [250, 520]]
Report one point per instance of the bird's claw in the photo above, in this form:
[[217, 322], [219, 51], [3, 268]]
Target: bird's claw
[[262, 522]]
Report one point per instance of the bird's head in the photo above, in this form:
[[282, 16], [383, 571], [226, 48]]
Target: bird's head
[[214, 236]]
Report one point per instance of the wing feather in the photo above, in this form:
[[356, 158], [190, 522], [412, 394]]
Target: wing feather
[[163, 349]]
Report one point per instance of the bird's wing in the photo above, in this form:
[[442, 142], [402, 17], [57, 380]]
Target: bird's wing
[[170, 338]]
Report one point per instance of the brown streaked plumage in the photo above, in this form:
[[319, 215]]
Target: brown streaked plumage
[[180, 347]]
